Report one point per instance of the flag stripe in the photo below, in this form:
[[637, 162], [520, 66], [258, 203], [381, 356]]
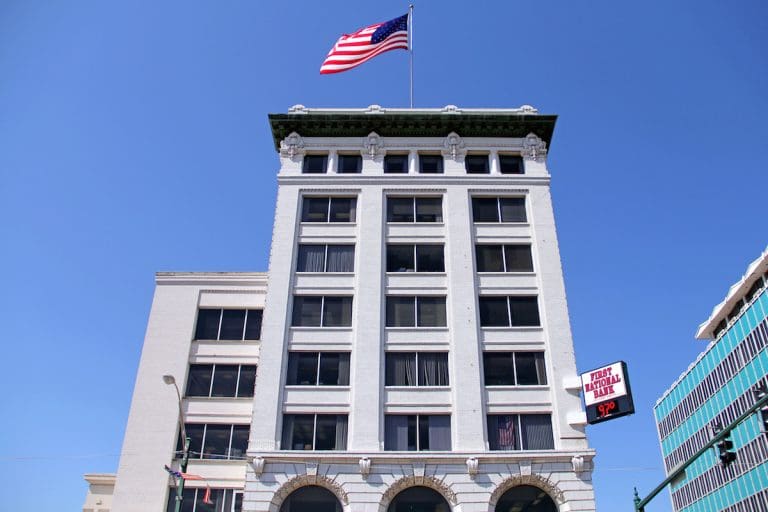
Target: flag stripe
[[335, 68], [351, 50]]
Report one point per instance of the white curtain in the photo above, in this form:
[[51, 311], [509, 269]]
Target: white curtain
[[311, 258], [396, 432], [439, 432], [536, 431], [341, 258], [341, 432]]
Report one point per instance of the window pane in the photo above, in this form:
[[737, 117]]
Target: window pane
[[329, 369], [207, 324], [400, 258], [431, 311], [195, 435], [502, 432], [401, 312], [525, 311], [325, 437], [438, 433], [300, 429], [239, 441], [224, 380], [485, 209], [512, 209], [306, 311], [493, 312], [302, 368], [477, 164], [429, 209], [350, 163], [536, 432], [232, 324], [412, 433], [337, 312], [315, 163], [498, 369], [433, 368], [247, 380], [430, 164], [429, 258], [343, 209], [396, 433], [216, 441], [311, 258], [489, 258], [199, 380], [529, 367], [511, 164], [401, 369], [341, 258], [253, 324], [399, 209], [314, 209], [423, 432], [518, 258], [396, 163]]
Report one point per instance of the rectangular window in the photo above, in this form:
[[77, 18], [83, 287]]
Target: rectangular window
[[349, 164], [314, 164], [417, 432], [498, 209], [405, 311], [511, 164], [224, 500], [415, 258], [318, 311], [318, 369], [514, 369], [477, 164], [520, 432], [504, 258], [396, 164], [430, 164], [314, 432], [328, 209], [228, 324], [514, 311], [417, 369], [215, 441], [325, 258], [221, 380], [414, 209]]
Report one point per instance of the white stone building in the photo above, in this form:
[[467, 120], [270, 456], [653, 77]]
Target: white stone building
[[415, 352]]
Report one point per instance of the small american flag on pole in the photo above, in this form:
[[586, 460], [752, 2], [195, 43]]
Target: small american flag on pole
[[353, 49]]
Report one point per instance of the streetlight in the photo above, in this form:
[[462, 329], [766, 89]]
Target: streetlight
[[170, 380]]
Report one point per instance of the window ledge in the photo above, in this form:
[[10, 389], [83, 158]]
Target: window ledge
[[325, 273], [221, 342], [510, 328], [516, 387], [314, 327], [413, 272], [218, 398], [527, 224], [308, 387], [392, 223], [500, 274], [305, 223], [421, 329], [418, 388]]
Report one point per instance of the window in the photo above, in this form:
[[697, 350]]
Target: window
[[314, 164], [477, 164], [215, 441], [221, 380], [415, 258], [498, 209], [224, 500], [349, 164], [415, 311], [314, 432], [396, 164], [514, 311], [520, 432], [318, 369], [228, 324], [514, 369], [511, 164], [328, 209], [430, 164], [504, 258], [417, 369], [417, 432], [414, 209], [326, 258], [316, 311]]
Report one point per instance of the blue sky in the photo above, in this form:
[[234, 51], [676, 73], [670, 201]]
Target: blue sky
[[134, 138]]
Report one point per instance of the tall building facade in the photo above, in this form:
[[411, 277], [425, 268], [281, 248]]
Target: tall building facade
[[414, 351], [715, 390]]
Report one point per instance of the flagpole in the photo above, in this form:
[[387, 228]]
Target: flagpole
[[410, 45]]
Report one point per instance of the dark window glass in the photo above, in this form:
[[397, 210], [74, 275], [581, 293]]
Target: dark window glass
[[208, 324], [498, 369], [246, 381], [315, 164], [416, 369], [432, 368], [485, 209], [503, 432], [417, 433], [518, 258], [325, 258], [239, 441], [511, 164], [431, 164], [340, 258], [400, 209], [429, 209], [529, 368], [536, 432], [306, 311], [525, 311], [232, 324], [512, 209], [224, 380], [429, 258], [423, 427], [216, 444], [314, 209], [401, 312], [337, 312], [302, 368], [311, 258], [298, 431], [493, 312], [400, 369], [343, 209], [489, 258], [396, 163], [325, 432], [350, 163], [195, 434], [334, 369], [753, 290], [253, 324], [430, 311], [477, 164], [314, 432], [400, 258], [199, 380]]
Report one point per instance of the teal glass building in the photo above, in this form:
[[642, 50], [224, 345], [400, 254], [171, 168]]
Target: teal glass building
[[716, 389]]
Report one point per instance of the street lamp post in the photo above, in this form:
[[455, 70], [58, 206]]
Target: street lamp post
[[170, 380]]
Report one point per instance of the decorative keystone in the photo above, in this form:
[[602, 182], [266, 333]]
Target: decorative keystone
[[418, 473], [578, 464], [365, 467], [258, 466], [311, 468], [472, 467]]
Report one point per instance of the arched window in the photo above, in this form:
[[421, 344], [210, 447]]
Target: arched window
[[525, 497], [311, 498], [419, 499]]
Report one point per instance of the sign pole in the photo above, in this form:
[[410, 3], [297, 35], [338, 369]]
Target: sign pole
[[410, 46]]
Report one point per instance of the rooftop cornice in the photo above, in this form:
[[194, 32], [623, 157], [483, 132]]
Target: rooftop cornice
[[212, 278]]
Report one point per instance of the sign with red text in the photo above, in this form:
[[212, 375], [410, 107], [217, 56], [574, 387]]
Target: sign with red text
[[607, 394]]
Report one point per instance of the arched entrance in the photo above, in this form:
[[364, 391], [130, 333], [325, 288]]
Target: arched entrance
[[311, 498], [525, 498], [418, 499]]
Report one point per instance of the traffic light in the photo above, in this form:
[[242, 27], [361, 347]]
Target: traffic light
[[725, 450]]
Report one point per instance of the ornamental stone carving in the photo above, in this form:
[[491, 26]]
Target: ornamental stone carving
[[303, 480], [577, 461], [292, 146], [297, 109], [534, 148], [451, 109], [472, 467], [374, 147], [453, 147], [528, 109], [541, 482], [410, 481], [258, 466], [365, 467]]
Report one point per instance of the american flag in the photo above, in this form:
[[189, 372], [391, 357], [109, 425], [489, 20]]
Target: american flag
[[506, 432], [185, 476], [353, 49]]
